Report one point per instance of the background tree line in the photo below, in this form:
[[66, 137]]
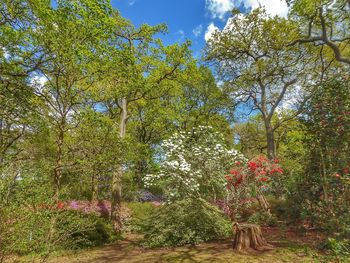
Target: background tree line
[[86, 98]]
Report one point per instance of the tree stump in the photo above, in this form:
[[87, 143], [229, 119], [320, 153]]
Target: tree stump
[[248, 237]]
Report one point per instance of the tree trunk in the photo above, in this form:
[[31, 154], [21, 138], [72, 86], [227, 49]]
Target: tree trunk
[[271, 154], [2, 151], [116, 200], [117, 175], [58, 162], [141, 167], [264, 204], [270, 140], [249, 237]]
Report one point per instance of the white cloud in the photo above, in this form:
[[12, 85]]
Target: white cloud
[[272, 7], [210, 31], [219, 8], [197, 31]]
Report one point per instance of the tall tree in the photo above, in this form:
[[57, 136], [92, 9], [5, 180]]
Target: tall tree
[[140, 68], [257, 67], [70, 37]]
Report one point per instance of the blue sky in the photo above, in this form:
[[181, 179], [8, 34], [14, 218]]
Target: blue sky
[[190, 19], [186, 19]]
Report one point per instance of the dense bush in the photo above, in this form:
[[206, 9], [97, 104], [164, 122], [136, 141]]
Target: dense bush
[[44, 230], [189, 221], [85, 230], [322, 192], [140, 213]]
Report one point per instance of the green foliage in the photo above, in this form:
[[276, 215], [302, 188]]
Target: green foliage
[[58, 229], [262, 218], [130, 187], [339, 248], [260, 74], [140, 214], [324, 188], [87, 230], [319, 22], [31, 222], [74, 74], [189, 221]]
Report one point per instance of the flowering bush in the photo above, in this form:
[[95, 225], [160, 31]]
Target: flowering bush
[[258, 170], [322, 192], [246, 180], [192, 164]]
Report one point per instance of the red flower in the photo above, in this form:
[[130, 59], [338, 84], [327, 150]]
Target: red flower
[[262, 172], [234, 172], [263, 179], [60, 205], [337, 175], [252, 166], [276, 161], [279, 170], [238, 163]]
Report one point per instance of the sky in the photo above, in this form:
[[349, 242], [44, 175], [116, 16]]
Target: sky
[[194, 20]]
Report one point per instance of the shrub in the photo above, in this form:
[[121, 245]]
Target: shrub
[[249, 180], [84, 230], [189, 221], [43, 231], [140, 213], [192, 164]]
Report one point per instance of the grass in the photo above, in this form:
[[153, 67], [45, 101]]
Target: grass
[[128, 251]]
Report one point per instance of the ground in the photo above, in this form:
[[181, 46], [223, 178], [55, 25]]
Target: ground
[[289, 247]]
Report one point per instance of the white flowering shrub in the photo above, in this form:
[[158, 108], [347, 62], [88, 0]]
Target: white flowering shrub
[[193, 164]]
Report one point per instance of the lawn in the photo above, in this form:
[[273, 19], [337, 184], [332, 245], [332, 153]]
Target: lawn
[[288, 248]]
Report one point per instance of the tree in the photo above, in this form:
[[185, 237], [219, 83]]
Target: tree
[[140, 68], [251, 136], [195, 100], [257, 67], [95, 148], [324, 23], [69, 38]]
